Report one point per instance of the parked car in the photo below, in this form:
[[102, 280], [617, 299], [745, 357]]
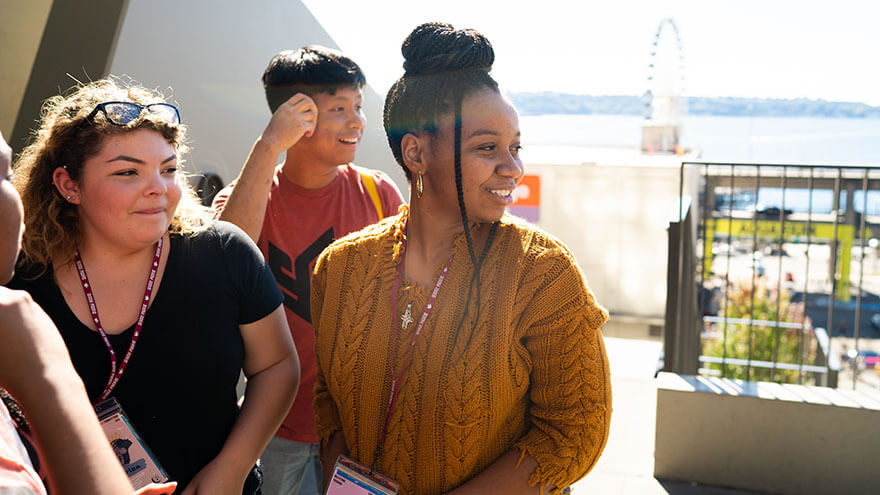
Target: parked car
[[769, 212]]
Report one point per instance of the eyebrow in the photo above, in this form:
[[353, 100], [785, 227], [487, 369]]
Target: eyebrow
[[126, 158], [486, 132], [342, 101]]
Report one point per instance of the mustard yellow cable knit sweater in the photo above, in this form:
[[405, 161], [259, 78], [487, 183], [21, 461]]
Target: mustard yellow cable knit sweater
[[533, 376]]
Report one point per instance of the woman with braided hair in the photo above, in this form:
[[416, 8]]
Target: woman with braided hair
[[458, 347]]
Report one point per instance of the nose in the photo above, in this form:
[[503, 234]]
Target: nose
[[511, 166], [157, 184], [356, 119]]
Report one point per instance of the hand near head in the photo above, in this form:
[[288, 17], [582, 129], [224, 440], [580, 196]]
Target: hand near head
[[295, 118]]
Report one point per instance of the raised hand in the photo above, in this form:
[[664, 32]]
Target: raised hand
[[295, 118]]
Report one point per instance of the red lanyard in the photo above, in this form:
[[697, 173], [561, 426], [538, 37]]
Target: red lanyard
[[396, 380], [115, 374]]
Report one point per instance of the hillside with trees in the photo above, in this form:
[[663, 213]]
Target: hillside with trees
[[563, 103]]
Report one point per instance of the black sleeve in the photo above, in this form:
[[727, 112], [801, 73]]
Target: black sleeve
[[258, 292]]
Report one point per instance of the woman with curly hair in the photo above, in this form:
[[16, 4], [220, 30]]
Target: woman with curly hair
[[458, 347], [159, 307]]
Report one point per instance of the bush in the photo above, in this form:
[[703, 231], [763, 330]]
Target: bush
[[792, 342]]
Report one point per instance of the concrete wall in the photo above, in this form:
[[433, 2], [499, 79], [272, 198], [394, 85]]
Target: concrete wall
[[206, 55], [20, 34], [614, 219], [210, 56], [786, 439]]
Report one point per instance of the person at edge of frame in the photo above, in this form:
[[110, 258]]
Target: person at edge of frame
[[51, 420]]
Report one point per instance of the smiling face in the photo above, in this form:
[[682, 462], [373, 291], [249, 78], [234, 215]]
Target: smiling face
[[490, 162], [128, 192], [340, 128], [11, 226]]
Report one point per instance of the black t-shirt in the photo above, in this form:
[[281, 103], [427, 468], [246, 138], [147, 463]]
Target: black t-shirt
[[179, 387]]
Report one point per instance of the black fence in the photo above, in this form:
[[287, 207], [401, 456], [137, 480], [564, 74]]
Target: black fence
[[768, 263]]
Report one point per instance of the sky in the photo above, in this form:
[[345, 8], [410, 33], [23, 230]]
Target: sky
[[747, 48]]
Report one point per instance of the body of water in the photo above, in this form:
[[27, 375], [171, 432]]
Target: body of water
[[769, 140], [728, 139]]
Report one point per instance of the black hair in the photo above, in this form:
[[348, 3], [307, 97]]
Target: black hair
[[443, 66], [310, 70]]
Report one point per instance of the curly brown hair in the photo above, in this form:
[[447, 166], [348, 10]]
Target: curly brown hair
[[66, 139]]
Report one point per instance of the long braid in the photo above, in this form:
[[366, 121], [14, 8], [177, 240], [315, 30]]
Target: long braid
[[443, 66], [476, 279], [462, 209], [458, 185]]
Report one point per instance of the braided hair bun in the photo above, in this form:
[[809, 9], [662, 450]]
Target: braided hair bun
[[443, 66], [438, 48]]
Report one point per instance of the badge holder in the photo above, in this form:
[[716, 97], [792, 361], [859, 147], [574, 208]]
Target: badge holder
[[351, 478], [137, 461]]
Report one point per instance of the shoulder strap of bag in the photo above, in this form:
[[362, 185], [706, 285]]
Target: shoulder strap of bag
[[374, 194]]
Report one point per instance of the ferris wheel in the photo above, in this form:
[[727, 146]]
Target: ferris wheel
[[665, 104]]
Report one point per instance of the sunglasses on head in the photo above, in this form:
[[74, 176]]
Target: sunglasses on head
[[123, 112]]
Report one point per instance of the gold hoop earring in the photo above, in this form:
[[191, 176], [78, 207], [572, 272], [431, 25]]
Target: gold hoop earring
[[420, 185]]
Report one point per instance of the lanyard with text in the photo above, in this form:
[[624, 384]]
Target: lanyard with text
[[396, 380], [116, 374]]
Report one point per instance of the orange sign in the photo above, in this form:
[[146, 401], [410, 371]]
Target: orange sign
[[528, 192]]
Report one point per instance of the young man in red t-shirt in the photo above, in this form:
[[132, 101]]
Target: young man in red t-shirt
[[294, 210]]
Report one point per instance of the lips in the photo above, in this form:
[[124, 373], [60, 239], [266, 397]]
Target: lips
[[501, 192], [502, 195], [152, 211]]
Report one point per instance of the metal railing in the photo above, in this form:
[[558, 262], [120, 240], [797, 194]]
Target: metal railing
[[768, 263]]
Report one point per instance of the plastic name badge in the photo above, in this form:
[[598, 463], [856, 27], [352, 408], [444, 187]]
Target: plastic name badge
[[351, 478], [138, 462]]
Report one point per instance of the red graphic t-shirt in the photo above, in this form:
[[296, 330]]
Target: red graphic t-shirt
[[298, 225]]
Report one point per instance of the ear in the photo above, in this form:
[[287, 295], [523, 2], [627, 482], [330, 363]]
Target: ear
[[66, 186], [412, 149]]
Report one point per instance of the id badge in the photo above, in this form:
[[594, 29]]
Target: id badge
[[351, 478], [137, 461]]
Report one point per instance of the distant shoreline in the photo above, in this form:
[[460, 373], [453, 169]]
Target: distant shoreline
[[551, 103]]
